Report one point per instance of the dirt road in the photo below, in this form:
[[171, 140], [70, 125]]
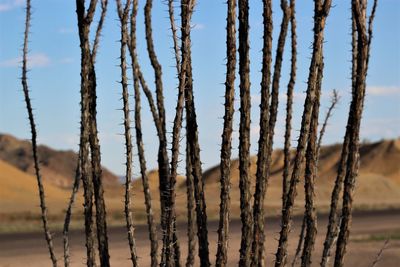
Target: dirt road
[[369, 231]]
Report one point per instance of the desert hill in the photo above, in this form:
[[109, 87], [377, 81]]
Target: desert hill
[[378, 184], [58, 167], [18, 191]]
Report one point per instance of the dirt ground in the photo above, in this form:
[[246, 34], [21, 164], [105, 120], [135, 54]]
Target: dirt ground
[[369, 232]]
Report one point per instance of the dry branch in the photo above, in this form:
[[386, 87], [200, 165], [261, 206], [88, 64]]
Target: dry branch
[[123, 14], [193, 139], [379, 255], [68, 212], [191, 220], [364, 37], [139, 140], [163, 162], [83, 27], [321, 13], [244, 135], [310, 176], [168, 253], [226, 147], [334, 101], [267, 128], [25, 87], [289, 103]]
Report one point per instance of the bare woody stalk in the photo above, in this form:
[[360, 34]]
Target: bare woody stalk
[[101, 223], [333, 221], [68, 213], [75, 186], [379, 255], [334, 101], [139, 140], [190, 195], [364, 34], [333, 225], [190, 166], [226, 147], [84, 21], [321, 13], [289, 103], [123, 14], [96, 169], [167, 258], [267, 127], [191, 223], [25, 87], [258, 211], [163, 162], [244, 135], [193, 139], [174, 34], [191, 219], [310, 214]]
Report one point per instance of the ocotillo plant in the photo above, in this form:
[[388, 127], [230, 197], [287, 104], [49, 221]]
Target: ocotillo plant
[[163, 162], [75, 188], [226, 146], [364, 37], [123, 14], [191, 216], [267, 129], [25, 88], [193, 140], [334, 101], [168, 238], [320, 14], [84, 21], [244, 135], [310, 214], [139, 140], [68, 212], [289, 103]]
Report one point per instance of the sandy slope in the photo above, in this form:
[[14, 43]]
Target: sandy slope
[[18, 191], [378, 186]]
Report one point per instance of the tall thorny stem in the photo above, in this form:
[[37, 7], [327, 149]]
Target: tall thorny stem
[[123, 14], [269, 113], [25, 88], [139, 140], [364, 37], [168, 238], [226, 146], [244, 135], [334, 100], [321, 13], [289, 103]]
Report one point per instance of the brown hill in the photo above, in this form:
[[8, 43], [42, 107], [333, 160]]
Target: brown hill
[[378, 184], [18, 191], [58, 167]]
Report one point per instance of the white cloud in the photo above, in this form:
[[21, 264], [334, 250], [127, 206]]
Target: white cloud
[[383, 90], [10, 4], [34, 60], [198, 26]]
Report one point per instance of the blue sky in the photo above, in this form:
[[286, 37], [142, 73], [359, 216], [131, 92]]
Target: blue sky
[[54, 76]]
